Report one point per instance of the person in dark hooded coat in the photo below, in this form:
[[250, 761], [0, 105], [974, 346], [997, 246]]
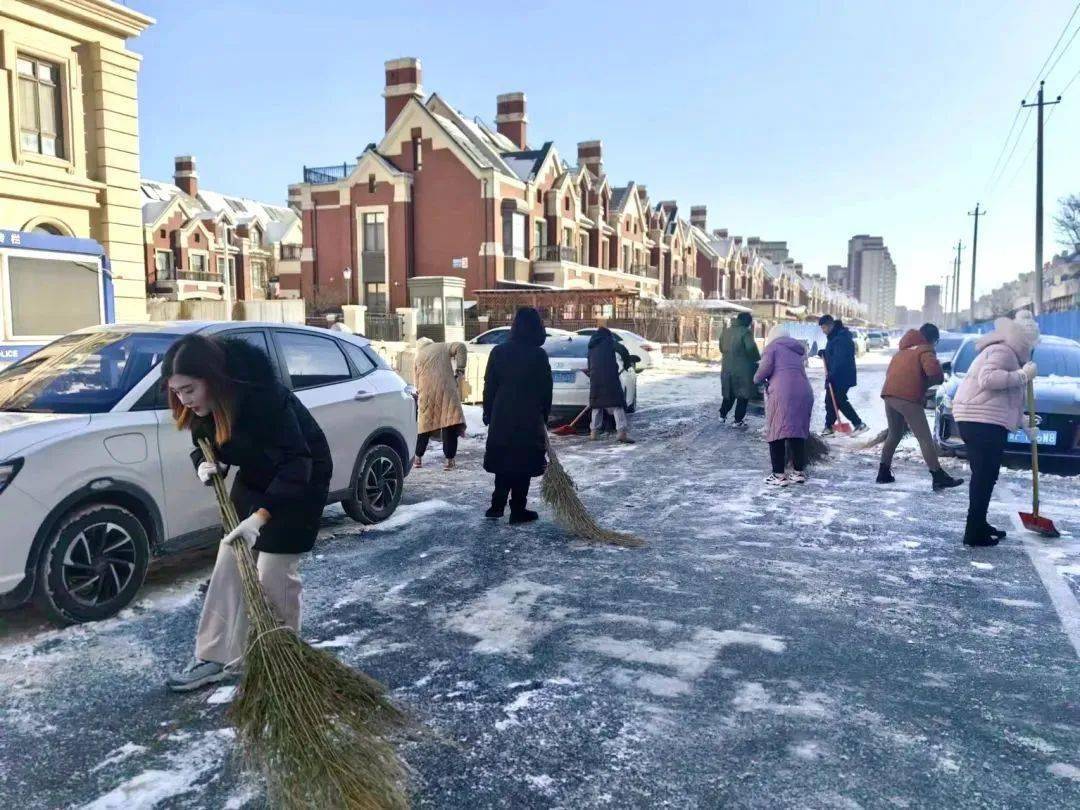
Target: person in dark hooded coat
[[226, 392], [738, 363], [517, 401], [840, 373], [606, 394]]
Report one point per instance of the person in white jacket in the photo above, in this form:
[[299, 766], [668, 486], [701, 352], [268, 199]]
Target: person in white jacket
[[988, 405]]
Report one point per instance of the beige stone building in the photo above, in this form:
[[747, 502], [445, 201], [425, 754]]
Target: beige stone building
[[69, 144]]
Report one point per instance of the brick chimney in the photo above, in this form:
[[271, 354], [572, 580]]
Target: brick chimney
[[402, 83], [643, 193], [697, 216], [184, 174], [591, 155], [510, 118], [720, 233]]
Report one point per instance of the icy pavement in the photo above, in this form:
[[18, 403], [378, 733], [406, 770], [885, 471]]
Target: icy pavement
[[831, 645]]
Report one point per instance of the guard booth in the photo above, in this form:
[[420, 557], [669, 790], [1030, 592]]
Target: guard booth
[[49, 286]]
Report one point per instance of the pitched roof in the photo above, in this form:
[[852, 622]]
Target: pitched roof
[[157, 196], [525, 164]]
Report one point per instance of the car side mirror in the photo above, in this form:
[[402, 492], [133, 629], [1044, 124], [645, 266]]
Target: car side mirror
[[946, 367]]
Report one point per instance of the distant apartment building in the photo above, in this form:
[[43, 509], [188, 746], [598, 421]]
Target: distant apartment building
[[773, 251], [872, 277], [445, 195], [837, 276], [932, 310], [69, 166], [196, 241]]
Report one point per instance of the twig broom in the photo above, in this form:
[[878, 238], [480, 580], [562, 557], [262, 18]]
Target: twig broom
[[315, 728], [557, 488]]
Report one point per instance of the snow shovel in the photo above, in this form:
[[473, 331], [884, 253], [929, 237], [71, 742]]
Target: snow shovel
[[570, 429], [1033, 521], [840, 425]]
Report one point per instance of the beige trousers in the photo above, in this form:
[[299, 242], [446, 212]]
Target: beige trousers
[[223, 625]]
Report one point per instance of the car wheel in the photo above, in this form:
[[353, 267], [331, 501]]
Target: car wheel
[[376, 486], [93, 564]]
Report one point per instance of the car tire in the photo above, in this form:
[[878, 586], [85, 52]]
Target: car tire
[[92, 565], [376, 485]]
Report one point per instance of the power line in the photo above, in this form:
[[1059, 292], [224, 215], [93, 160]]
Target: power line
[[1063, 51], [1064, 89], [1008, 160], [1004, 146], [1039, 74]]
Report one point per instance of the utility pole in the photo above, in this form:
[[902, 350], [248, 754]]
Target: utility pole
[[1039, 197], [956, 285], [945, 299], [974, 253]]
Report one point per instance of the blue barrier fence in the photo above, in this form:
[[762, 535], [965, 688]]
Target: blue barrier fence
[[1063, 324]]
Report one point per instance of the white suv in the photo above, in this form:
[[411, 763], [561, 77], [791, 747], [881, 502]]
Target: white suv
[[95, 479]]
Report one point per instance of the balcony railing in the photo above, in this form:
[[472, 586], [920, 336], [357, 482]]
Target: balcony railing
[[645, 270], [317, 175], [555, 253], [196, 275]]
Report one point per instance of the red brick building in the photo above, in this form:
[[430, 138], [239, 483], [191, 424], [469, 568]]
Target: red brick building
[[189, 233], [442, 194]]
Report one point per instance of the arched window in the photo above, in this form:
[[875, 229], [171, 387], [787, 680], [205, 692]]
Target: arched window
[[47, 227]]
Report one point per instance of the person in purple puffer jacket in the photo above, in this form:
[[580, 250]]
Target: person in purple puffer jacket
[[788, 403], [988, 404]]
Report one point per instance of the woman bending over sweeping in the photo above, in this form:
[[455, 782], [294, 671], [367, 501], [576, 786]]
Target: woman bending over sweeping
[[226, 391], [787, 405], [438, 372], [517, 401], [988, 404]]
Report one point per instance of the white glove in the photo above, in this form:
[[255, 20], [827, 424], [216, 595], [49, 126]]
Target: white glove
[[248, 529], [1032, 433], [1030, 371], [207, 470]]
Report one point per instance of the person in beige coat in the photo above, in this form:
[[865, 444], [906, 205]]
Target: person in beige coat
[[438, 371]]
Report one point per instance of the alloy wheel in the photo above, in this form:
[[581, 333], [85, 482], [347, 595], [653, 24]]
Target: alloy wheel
[[98, 564], [380, 484]]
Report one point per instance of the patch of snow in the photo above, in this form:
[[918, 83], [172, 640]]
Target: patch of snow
[[119, 755], [753, 697], [346, 640], [502, 619], [1021, 603], [1064, 770], [413, 512], [809, 750], [223, 694], [186, 768], [541, 782], [982, 566], [241, 799]]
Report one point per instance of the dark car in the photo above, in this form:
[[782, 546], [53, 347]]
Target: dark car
[[1057, 401]]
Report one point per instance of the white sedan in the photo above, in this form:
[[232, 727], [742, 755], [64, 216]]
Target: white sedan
[[486, 341], [649, 352], [569, 357]]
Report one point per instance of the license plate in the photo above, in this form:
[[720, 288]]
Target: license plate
[[563, 376], [1043, 437]]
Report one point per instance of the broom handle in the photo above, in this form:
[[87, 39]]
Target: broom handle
[[831, 392], [1034, 450]]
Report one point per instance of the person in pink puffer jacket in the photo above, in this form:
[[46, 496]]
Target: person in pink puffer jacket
[[988, 405]]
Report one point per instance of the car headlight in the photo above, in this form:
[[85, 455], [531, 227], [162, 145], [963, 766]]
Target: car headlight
[[8, 471]]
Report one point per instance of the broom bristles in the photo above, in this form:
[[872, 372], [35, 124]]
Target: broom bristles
[[557, 489], [313, 726]]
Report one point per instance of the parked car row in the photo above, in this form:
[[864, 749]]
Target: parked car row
[[649, 353]]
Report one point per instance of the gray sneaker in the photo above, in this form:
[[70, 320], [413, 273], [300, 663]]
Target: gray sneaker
[[196, 675]]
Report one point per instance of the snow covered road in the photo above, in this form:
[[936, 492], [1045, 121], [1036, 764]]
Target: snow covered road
[[831, 645]]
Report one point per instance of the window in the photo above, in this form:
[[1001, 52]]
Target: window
[[40, 115], [375, 297], [494, 337], [256, 239], [221, 265], [77, 374], [197, 262], [428, 310], [374, 233], [312, 360], [566, 203], [568, 237], [163, 263], [198, 238], [539, 237], [514, 235], [455, 311], [258, 275], [359, 359], [52, 296], [371, 184], [45, 227]]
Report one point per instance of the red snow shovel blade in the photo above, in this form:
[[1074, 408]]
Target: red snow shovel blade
[[1039, 524], [842, 427], [570, 429]]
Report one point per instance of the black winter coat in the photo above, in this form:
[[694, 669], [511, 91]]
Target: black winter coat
[[282, 458], [517, 401], [605, 387], [840, 357]]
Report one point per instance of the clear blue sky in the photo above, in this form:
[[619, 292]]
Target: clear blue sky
[[808, 122]]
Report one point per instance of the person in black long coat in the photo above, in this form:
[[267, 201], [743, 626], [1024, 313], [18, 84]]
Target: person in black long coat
[[517, 401], [226, 391], [840, 375], [605, 387]]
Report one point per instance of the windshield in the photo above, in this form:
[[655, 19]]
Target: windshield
[[82, 373], [563, 347], [1053, 359], [947, 345]]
